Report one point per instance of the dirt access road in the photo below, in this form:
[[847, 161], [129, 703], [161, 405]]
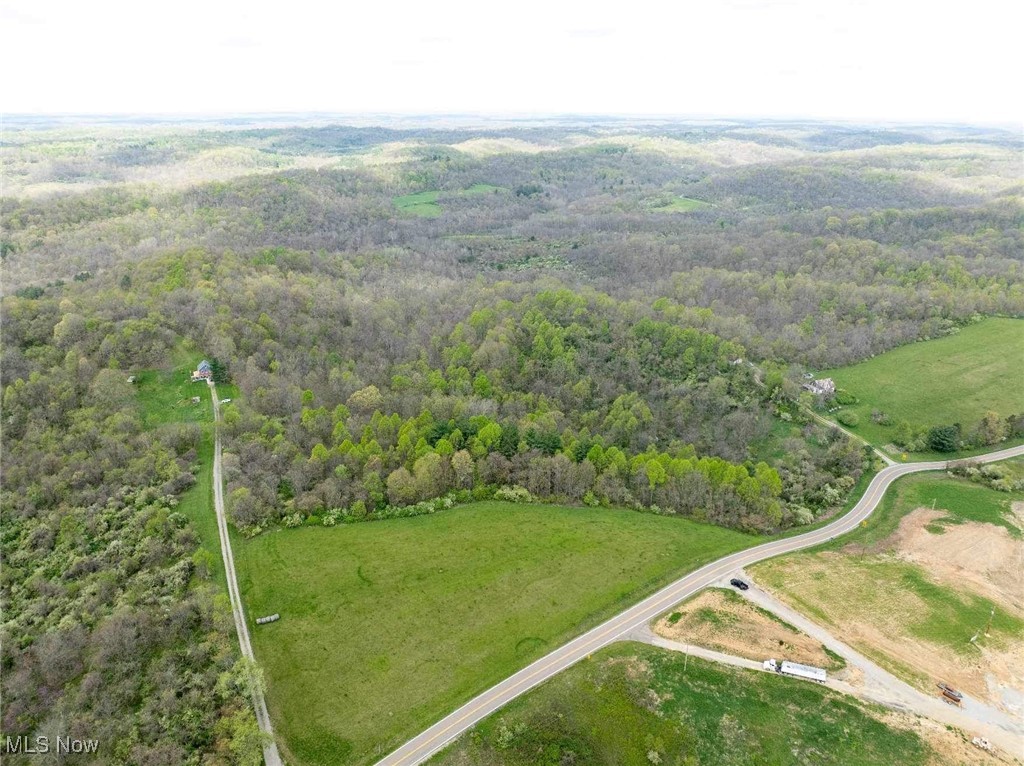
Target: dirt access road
[[270, 755]]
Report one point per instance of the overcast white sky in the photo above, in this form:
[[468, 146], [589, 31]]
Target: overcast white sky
[[874, 59]]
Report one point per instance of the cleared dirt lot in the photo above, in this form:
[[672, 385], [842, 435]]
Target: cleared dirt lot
[[988, 560], [914, 601], [719, 619], [985, 557]]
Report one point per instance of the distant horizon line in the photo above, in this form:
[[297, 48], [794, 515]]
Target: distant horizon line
[[214, 116]]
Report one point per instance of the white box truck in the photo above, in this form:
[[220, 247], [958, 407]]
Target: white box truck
[[788, 668]]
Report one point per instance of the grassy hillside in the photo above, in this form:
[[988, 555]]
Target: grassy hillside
[[833, 589], [166, 396], [387, 626], [634, 705], [955, 379]]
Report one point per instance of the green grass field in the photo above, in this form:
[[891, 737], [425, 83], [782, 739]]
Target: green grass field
[[423, 204], [197, 503], [954, 379], [635, 705], [680, 205], [426, 205], [962, 502], [387, 626]]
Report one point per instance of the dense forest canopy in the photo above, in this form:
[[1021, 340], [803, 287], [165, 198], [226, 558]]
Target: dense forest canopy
[[605, 314]]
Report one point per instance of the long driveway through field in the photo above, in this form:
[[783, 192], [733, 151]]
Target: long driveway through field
[[270, 755]]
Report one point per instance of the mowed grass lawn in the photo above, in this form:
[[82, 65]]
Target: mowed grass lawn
[[956, 379], [388, 626], [166, 397], [636, 705]]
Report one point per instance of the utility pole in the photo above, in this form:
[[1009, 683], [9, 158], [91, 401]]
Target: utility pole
[[988, 626]]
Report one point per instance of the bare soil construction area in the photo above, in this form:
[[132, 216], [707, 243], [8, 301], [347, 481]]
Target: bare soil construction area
[[984, 557], [915, 601], [720, 620]]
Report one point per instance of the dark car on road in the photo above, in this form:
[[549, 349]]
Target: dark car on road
[[736, 583]]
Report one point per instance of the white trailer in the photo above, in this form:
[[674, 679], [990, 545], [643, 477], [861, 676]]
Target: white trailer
[[795, 669], [809, 672]]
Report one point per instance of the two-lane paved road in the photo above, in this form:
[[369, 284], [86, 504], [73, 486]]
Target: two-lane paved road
[[422, 746]]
